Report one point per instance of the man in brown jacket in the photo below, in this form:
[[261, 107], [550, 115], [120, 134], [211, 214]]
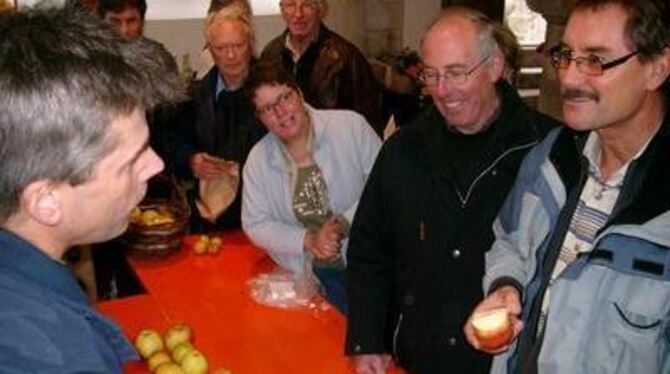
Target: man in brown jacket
[[331, 72]]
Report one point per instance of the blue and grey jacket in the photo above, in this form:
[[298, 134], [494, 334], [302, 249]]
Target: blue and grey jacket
[[610, 309]]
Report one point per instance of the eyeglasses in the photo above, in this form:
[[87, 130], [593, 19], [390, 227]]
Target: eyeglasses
[[455, 76], [590, 65], [290, 7], [283, 100]]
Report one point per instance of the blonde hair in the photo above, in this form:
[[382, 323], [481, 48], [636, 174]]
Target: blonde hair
[[233, 12]]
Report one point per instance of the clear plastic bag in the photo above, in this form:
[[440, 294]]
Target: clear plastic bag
[[284, 289]]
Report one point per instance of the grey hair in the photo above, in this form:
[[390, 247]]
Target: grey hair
[[233, 12], [486, 42], [65, 76]]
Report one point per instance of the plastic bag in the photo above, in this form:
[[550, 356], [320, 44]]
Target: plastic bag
[[284, 289]]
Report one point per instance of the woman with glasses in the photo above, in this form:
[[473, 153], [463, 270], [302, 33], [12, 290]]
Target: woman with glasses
[[302, 181]]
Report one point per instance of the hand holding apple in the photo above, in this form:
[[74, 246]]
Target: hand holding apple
[[493, 328], [494, 323]]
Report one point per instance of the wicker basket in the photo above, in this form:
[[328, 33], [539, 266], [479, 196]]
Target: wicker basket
[[155, 241]]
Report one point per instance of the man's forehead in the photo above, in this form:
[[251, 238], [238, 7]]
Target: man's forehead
[[596, 30]]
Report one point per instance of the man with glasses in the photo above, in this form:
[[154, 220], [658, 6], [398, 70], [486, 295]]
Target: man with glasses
[[416, 253], [331, 72], [581, 259]]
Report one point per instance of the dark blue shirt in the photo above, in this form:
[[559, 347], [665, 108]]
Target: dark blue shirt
[[46, 322]]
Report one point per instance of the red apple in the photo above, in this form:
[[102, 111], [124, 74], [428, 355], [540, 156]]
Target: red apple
[[493, 328]]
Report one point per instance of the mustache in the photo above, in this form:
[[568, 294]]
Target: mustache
[[575, 93]]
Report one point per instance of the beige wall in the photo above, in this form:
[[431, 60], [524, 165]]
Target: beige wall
[[406, 20]]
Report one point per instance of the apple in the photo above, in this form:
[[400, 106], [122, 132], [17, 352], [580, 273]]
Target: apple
[[178, 333], [169, 368], [157, 359], [194, 362], [493, 328], [148, 342], [180, 350]]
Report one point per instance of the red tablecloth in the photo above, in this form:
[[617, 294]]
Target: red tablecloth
[[209, 292]]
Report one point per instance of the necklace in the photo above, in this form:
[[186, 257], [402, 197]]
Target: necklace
[[603, 186]]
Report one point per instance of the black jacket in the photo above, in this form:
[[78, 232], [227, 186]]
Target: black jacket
[[226, 128], [416, 252]]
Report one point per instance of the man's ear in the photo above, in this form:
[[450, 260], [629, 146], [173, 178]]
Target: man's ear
[[41, 201], [659, 70], [497, 66]]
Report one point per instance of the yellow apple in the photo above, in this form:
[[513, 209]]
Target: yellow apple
[[148, 342], [180, 350], [493, 328], [157, 359], [178, 333], [169, 368], [194, 362]]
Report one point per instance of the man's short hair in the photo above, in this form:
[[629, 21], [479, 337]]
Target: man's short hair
[[64, 78], [116, 6], [647, 28], [216, 5], [486, 42], [232, 12]]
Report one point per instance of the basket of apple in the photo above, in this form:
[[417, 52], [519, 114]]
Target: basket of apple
[[172, 353], [158, 225]]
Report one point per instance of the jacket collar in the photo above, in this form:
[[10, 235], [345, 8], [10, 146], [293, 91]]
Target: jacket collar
[[19, 256], [515, 133], [644, 194]]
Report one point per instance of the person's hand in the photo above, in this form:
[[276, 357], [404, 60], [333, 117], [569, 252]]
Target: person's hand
[[325, 243], [505, 297], [376, 363], [205, 166]]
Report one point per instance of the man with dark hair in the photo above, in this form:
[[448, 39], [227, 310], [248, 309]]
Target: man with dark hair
[[581, 259], [75, 161], [423, 224], [126, 16], [332, 73]]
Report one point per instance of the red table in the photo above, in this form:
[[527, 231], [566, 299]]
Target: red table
[[209, 292]]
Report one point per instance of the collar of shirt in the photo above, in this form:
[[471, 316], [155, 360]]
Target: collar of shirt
[[19, 255], [592, 152], [220, 85], [294, 51]]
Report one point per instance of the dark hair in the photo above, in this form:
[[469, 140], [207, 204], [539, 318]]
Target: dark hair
[[105, 6], [64, 78], [647, 28], [267, 73]]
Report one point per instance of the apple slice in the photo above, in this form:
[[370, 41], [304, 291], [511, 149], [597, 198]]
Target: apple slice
[[493, 328]]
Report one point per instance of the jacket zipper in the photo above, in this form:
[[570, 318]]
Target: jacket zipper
[[464, 200], [395, 337]]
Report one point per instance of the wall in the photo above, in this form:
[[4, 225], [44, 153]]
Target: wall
[[375, 26], [417, 15]]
